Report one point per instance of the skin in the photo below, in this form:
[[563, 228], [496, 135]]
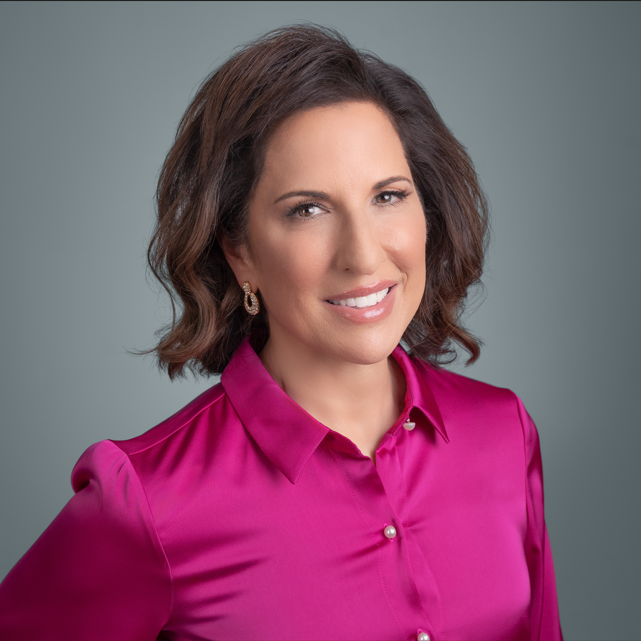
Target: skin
[[299, 255]]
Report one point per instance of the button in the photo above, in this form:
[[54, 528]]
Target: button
[[422, 636], [409, 426], [390, 531]]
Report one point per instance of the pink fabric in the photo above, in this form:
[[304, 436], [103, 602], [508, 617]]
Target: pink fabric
[[242, 517]]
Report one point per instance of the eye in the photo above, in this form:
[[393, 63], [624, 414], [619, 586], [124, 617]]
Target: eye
[[390, 197], [305, 210]]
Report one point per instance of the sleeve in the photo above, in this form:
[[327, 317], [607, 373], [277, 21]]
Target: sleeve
[[545, 624], [99, 570]]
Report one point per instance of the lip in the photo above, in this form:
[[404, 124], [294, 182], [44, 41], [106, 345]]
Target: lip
[[360, 315], [364, 291]]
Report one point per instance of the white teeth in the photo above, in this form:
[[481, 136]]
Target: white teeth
[[362, 301]]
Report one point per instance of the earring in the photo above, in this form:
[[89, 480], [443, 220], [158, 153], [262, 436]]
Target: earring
[[254, 308]]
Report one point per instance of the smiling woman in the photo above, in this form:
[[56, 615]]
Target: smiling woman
[[220, 167], [314, 214], [343, 275]]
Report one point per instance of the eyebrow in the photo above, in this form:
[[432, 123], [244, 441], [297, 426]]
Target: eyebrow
[[321, 195], [389, 181]]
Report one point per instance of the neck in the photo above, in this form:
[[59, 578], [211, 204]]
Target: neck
[[360, 401]]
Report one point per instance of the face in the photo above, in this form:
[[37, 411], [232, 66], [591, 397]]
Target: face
[[336, 235]]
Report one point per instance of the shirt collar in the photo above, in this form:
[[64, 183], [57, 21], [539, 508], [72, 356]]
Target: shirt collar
[[419, 395], [283, 430]]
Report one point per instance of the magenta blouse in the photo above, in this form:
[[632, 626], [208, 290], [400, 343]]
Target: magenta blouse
[[242, 517]]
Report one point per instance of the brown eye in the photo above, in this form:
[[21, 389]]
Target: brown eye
[[388, 197], [307, 210]]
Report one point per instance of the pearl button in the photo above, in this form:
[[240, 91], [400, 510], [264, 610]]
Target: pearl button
[[409, 425], [390, 531], [422, 636]]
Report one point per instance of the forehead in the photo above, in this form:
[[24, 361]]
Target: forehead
[[341, 143]]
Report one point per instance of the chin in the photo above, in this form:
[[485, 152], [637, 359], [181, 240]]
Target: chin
[[367, 349]]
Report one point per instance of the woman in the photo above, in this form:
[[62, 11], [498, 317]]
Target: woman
[[314, 214]]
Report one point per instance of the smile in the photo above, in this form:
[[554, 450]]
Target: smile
[[362, 301]]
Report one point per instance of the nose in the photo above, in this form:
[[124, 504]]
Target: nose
[[359, 246]]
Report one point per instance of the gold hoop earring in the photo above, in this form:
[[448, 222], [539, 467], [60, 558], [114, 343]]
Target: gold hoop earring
[[254, 308]]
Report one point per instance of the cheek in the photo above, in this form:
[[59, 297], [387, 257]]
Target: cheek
[[290, 267], [408, 245]]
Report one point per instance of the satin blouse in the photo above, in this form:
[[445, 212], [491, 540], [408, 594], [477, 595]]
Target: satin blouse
[[242, 517]]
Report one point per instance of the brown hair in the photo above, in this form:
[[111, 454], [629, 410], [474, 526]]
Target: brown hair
[[215, 162]]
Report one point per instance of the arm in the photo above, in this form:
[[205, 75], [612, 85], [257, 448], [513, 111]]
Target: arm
[[99, 570], [544, 610]]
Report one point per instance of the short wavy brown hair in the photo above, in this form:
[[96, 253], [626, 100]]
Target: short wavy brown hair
[[216, 160]]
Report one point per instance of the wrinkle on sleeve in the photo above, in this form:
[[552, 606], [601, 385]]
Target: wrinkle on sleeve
[[544, 610], [99, 570]]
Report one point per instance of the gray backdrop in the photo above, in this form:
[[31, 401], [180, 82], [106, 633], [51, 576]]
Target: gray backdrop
[[545, 97]]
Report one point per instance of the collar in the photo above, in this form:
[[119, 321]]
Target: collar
[[283, 430], [419, 396]]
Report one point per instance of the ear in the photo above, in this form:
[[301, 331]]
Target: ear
[[240, 262]]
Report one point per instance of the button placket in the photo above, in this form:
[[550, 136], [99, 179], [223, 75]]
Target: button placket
[[391, 474], [376, 500]]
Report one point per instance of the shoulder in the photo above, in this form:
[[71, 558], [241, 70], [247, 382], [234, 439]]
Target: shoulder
[[452, 389], [199, 414], [470, 406], [172, 444]]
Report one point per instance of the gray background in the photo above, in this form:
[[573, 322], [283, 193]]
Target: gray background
[[545, 97]]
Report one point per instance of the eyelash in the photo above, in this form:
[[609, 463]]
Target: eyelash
[[401, 194]]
